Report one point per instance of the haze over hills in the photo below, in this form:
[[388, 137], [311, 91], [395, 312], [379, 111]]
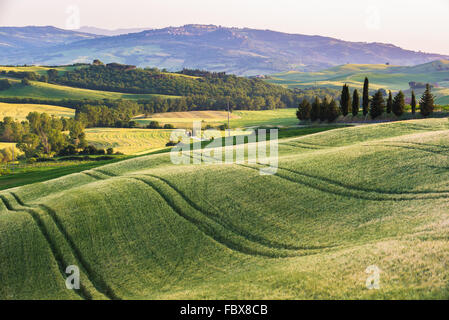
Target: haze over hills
[[108, 32], [234, 50], [29, 38]]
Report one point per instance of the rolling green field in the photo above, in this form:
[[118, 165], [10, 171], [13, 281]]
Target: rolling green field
[[20, 111], [238, 119], [388, 77], [43, 90], [39, 69], [143, 228], [128, 141]]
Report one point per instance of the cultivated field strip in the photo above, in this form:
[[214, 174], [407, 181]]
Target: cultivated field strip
[[58, 255], [94, 281], [223, 232], [145, 228]]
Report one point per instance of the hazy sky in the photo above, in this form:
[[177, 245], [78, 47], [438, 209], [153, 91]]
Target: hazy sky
[[412, 24]]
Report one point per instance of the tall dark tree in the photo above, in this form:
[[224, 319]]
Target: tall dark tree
[[377, 105], [399, 104], [355, 103], [365, 98], [345, 100], [332, 111], [413, 102], [324, 108], [303, 112], [426, 104], [315, 112], [389, 102]]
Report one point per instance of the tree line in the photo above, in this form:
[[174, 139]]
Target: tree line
[[41, 136], [374, 106]]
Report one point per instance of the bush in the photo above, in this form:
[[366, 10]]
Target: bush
[[110, 151], [68, 151], [26, 82], [154, 125], [171, 144], [4, 84], [31, 160], [169, 126]]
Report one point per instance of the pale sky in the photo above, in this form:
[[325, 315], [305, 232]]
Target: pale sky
[[411, 24]]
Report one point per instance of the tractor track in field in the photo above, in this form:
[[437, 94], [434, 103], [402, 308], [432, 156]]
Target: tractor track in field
[[57, 254], [350, 192], [230, 227], [210, 230], [356, 188], [97, 281]]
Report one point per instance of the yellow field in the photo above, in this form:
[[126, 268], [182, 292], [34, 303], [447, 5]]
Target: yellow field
[[4, 145], [128, 141], [185, 119], [20, 111], [37, 69]]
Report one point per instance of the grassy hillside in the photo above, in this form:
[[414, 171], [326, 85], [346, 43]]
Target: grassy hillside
[[238, 119], [20, 111], [42, 90], [128, 141], [342, 200], [388, 77], [39, 69]]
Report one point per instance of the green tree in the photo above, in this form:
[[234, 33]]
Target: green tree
[[355, 103], [377, 105], [426, 104], [304, 109], [52, 74], [315, 111], [399, 104], [4, 84], [29, 145], [365, 98], [332, 111], [413, 102], [389, 102], [345, 100], [324, 109]]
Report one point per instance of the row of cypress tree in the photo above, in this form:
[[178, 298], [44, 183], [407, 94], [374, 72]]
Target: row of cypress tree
[[375, 106]]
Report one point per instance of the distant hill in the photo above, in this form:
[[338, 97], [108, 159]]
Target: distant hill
[[388, 77], [29, 38], [107, 32], [214, 48]]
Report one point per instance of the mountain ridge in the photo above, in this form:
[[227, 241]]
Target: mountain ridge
[[242, 51]]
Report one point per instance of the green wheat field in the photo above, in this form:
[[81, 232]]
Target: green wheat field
[[144, 228]]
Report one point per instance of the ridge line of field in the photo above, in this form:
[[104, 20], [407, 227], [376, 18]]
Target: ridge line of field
[[57, 254], [211, 231], [99, 284], [248, 236], [351, 187], [339, 193], [208, 216]]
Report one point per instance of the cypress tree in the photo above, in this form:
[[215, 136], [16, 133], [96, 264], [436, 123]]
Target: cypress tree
[[315, 112], [413, 102], [426, 104], [389, 102], [324, 107], [365, 98], [355, 103], [377, 105], [399, 104], [304, 108], [332, 111], [345, 100]]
